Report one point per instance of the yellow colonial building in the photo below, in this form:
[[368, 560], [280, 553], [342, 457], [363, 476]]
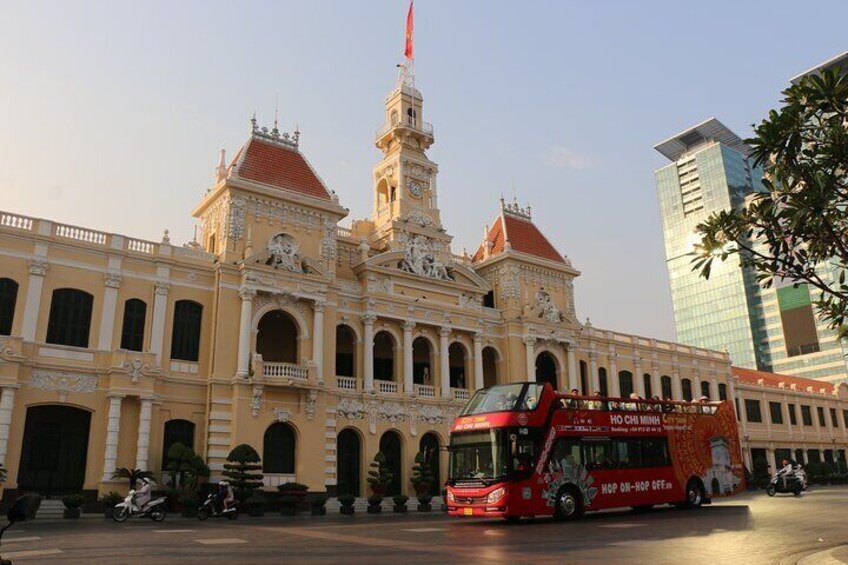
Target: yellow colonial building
[[316, 344]]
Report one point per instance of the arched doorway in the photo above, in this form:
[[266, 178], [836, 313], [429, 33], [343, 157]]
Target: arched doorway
[[345, 349], [348, 463], [490, 367], [384, 357], [422, 372], [276, 339], [429, 445], [456, 362], [54, 450], [546, 369], [391, 448], [279, 449]]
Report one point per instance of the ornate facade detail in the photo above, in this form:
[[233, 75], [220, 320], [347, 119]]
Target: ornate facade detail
[[544, 308], [235, 218], [329, 243], [310, 402], [351, 409], [419, 216], [379, 284], [432, 414], [372, 417], [282, 415], [284, 250], [470, 301], [392, 412], [420, 259], [509, 284], [63, 383], [256, 400], [412, 415], [161, 288], [275, 135], [112, 279], [38, 267], [135, 368], [246, 293]]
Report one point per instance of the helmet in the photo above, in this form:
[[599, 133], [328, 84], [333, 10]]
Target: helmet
[[145, 481], [223, 484]]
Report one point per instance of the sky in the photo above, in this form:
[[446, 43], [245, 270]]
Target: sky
[[112, 113]]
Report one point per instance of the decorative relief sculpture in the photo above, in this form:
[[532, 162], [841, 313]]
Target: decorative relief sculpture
[[545, 308], [329, 244], [419, 216], [235, 217], [509, 283], [256, 400], [135, 369], [38, 267], [311, 401], [392, 412], [63, 383], [420, 259], [112, 279], [284, 253], [432, 414], [412, 414], [372, 416], [351, 409], [282, 415]]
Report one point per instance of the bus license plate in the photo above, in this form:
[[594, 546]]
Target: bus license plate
[[467, 511]]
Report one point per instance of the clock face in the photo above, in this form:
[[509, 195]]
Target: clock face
[[415, 188]]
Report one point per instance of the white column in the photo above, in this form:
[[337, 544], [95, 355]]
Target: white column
[[318, 339], [113, 427], [676, 385], [37, 270], [656, 381], [407, 356], [157, 330], [530, 352], [573, 377], [368, 352], [444, 361], [143, 441], [7, 405], [614, 385], [639, 385], [107, 316], [246, 295], [478, 361], [593, 369]]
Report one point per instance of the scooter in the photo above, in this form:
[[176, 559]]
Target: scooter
[[155, 509], [209, 509], [23, 509], [793, 484]]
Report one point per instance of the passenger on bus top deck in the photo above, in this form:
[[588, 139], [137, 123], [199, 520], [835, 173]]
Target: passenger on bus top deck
[[597, 404], [573, 402], [530, 402]]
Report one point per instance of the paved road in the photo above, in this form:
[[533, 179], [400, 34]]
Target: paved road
[[749, 529]]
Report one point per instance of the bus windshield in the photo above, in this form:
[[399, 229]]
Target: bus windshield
[[504, 398], [478, 455]]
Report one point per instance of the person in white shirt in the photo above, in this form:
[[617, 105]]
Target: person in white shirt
[[786, 472]]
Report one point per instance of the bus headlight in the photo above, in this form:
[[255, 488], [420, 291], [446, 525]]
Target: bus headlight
[[495, 495], [450, 497]]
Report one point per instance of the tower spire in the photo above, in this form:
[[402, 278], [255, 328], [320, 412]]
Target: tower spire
[[406, 77]]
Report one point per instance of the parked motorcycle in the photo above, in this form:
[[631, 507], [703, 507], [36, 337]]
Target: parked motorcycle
[[794, 484], [210, 509], [155, 509]]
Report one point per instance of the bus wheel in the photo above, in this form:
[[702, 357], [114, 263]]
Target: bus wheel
[[569, 504], [694, 494]]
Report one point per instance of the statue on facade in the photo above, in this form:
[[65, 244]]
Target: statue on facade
[[419, 259], [284, 253], [545, 308]]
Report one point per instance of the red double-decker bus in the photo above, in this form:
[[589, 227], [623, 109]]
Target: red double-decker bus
[[522, 450]]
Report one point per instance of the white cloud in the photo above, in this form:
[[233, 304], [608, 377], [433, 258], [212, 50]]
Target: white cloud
[[561, 156]]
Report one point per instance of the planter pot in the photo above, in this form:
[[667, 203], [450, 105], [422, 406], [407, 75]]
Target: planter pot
[[399, 509], [374, 509], [288, 510], [425, 507], [345, 510], [71, 513], [319, 511]]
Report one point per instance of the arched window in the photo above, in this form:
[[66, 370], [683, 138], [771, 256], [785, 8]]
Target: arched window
[[132, 332], [456, 363], [602, 381], [429, 445], [546, 369], [646, 382], [185, 338], [665, 383], [345, 340], [705, 389], [349, 462], [722, 391], [489, 299], [625, 383], [584, 379], [176, 431], [687, 389], [390, 445], [276, 338], [422, 372], [278, 449], [384, 357], [8, 298], [490, 367], [70, 317]]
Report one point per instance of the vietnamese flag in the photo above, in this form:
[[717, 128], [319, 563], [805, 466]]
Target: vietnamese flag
[[407, 51]]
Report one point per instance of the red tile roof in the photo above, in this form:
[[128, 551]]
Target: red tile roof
[[772, 379], [523, 236], [276, 165]]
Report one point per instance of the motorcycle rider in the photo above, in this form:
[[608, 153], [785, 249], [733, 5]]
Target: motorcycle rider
[[786, 472], [142, 497], [225, 496]]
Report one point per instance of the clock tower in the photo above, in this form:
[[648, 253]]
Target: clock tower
[[405, 180]]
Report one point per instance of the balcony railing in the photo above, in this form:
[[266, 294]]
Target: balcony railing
[[425, 391], [285, 370], [460, 394], [346, 383], [415, 125], [387, 387]]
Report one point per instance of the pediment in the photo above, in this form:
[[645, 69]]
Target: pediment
[[391, 263]]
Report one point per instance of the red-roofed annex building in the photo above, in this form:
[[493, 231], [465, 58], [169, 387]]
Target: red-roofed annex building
[[316, 344]]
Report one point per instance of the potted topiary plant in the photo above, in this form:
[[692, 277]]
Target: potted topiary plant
[[292, 494], [400, 501], [72, 503], [242, 469], [318, 504], [346, 502], [422, 474], [424, 502], [189, 501], [256, 504], [379, 476], [375, 504], [109, 501]]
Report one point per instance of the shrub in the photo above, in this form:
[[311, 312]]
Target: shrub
[[110, 499], [400, 499], [425, 498], [73, 501], [132, 475], [256, 500], [375, 500], [346, 499], [318, 501], [189, 500], [185, 465], [241, 469], [379, 476], [293, 488], [422, 474]]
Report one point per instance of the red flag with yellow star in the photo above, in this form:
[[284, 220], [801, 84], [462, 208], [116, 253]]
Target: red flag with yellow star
[[407, 51]]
